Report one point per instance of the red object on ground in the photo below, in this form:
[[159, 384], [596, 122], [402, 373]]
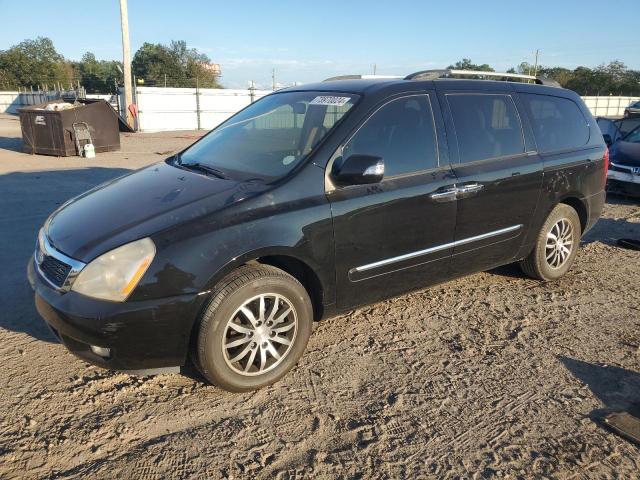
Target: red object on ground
[[133, 109]]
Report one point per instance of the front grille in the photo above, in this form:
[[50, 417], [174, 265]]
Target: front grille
[[54, 270]]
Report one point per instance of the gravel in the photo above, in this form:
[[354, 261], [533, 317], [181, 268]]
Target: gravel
[[489, 376]]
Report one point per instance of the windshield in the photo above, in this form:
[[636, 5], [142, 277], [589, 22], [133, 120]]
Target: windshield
[[270, 137], [633, 137]]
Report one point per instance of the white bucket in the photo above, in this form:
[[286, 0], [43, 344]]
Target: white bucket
[[89, 150]]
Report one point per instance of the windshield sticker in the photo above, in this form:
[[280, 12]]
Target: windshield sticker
[[330, 100]]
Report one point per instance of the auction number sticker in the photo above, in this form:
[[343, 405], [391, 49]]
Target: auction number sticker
[[330, 100]]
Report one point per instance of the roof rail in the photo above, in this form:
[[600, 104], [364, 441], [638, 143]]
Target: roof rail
[[362, 77], [449, 73]]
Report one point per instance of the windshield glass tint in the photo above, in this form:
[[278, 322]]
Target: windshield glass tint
[[633, 137], [272, 136]]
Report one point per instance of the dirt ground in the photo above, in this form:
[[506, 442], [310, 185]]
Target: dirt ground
[[490, 376]]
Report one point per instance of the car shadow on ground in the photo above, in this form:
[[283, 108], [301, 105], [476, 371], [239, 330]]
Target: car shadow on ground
[[616, 388], [610, 230], [27, 199], [606, 230], [11, 143]]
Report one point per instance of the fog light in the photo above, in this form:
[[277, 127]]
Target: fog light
[[101, 351]]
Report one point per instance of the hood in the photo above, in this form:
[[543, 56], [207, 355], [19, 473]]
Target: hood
[[137, 205], [625, 153]]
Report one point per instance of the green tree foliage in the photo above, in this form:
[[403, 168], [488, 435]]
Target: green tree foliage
[[179, 65], [613, 78], [34, 62], [98, 76], [467, 64]]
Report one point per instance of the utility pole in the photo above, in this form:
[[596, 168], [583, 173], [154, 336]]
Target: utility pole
[[375, 68], [535, 68], [273, 79], [126, 60]]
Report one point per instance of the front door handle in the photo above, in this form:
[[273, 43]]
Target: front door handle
[[469, 189], [448, 195]]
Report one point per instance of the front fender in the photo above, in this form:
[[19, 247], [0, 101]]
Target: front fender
[[193, 257]]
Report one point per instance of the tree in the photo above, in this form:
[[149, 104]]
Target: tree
[[34, 62], [176, 63], [613, 78], [467, 64], [98, 76]]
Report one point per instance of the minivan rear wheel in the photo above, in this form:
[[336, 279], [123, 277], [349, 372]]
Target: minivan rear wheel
[[254, 329], [556, 246]]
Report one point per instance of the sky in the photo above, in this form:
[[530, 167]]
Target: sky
[[308, 41]]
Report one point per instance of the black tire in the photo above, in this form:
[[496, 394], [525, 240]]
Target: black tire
[[238, 287], [536, 264]]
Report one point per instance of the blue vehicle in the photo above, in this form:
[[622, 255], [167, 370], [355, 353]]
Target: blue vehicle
[[624, 156]]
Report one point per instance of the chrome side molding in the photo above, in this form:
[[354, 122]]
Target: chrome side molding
[[457, 243]]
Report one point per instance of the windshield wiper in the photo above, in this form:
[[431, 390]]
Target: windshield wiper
[[204, 168]]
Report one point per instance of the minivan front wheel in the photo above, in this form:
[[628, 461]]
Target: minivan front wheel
[[254, 329], [556, 246]]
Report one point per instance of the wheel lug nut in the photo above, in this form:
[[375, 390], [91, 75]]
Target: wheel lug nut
[[269, 323], [254, 345]]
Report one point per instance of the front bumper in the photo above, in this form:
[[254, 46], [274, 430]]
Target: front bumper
[[623, 173], [623, 179], [148, 336]]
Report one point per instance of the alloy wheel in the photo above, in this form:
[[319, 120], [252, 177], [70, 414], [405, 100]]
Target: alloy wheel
[[559, 243], [260, 334]]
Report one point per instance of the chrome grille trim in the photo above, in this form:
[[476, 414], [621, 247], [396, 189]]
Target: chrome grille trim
[[43, 245]]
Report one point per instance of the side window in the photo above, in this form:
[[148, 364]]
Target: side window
[[487, 126], [402, 132], [557, 122]]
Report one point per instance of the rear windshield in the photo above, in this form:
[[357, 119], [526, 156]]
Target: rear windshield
[[270, 137]]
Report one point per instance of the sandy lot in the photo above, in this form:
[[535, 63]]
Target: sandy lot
[[490, 376]]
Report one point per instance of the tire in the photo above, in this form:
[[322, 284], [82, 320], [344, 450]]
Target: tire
[[235, 342], [549, 259]]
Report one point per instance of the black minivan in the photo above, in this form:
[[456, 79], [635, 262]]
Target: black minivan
[[312, 201]]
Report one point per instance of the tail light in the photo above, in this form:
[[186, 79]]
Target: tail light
[[606, 164]]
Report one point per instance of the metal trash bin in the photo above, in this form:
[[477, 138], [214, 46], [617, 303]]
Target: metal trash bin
[[51, 132]]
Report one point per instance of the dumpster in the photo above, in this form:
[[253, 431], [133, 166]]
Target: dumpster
[[62, 129]]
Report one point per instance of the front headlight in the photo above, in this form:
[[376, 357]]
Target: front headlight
[[114, 275]]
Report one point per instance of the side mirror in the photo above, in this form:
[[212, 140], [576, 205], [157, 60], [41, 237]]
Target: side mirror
[[607, 139], [358, 170]]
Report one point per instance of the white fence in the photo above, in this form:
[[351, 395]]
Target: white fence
[[189, 108], [193, 109], [10, 102], [608, 106]]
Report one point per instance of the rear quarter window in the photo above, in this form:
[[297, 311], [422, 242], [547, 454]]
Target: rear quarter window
[[558, 123]]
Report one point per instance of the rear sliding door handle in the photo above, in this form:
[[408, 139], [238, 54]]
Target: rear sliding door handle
[[469, 189], [448, 195]]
